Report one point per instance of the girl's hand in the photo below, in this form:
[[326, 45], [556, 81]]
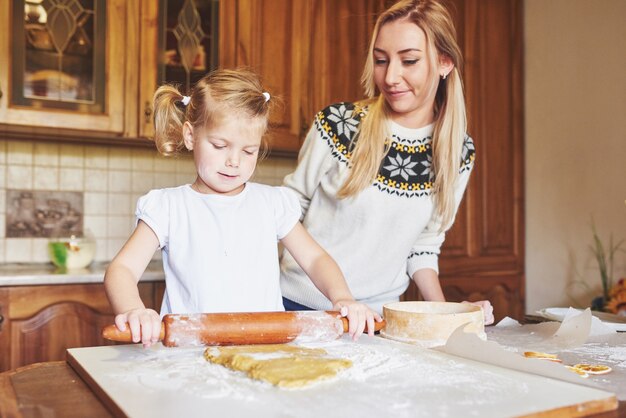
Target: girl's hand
[[487, 310], [358, 315], [145, 325]]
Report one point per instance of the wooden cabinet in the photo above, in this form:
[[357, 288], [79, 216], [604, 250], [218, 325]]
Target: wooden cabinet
[[63, 67], [38, 323], [483, 255], [178, 44], [310, 53]]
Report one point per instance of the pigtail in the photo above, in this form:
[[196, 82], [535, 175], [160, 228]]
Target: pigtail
[[169, 117]]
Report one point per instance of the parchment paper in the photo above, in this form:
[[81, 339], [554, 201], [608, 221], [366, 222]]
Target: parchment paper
[[580, 338]]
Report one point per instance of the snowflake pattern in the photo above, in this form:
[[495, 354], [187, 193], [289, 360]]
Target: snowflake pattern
[[407, 168], [403, 167], [342, 116]]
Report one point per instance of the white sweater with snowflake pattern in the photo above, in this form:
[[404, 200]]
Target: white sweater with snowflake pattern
[[383, 235]]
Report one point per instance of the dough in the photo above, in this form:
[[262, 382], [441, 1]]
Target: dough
[[279, 364]]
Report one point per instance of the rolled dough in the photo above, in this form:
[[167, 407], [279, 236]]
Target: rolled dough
[[279, 364]]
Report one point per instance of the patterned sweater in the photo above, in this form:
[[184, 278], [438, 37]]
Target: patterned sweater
[[383, 235]]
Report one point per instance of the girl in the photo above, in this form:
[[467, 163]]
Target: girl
[[380, 181], [218, 236]]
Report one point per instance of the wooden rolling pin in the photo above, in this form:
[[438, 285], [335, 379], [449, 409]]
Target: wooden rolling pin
[[244, 328]]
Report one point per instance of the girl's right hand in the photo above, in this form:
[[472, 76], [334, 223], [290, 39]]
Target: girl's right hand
[[145, 325]]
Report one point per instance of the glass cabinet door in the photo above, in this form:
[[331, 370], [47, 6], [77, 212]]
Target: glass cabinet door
[[188, 41], [58, 54], [65, 63], [186, 37]]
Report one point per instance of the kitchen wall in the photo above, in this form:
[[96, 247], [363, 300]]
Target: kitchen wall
[[575, 56], [110, 178]]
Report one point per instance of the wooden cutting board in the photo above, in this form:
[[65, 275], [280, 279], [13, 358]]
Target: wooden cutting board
[[387, 379]]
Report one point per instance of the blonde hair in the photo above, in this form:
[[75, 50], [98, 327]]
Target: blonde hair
[[219, 94], [371, 142]]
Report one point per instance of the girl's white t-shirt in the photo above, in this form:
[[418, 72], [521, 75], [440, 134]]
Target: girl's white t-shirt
[[220, 252]]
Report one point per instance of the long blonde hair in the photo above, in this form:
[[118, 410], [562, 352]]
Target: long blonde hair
[[219, 94], [450, 120]]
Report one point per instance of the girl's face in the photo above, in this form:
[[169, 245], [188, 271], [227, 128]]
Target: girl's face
[[403, 74], [226, 154]]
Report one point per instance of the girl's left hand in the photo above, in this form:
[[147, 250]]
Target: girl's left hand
[[487, 310], [359, 315]]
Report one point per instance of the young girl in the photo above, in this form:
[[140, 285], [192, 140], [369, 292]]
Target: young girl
[[380, 181], [218, 236]]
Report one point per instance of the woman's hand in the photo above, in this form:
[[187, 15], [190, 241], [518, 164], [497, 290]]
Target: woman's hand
[[144, 324], [487, 310], [359, 315]]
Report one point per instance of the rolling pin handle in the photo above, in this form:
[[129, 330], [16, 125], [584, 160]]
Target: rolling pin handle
[[377, 325], [110, 332]]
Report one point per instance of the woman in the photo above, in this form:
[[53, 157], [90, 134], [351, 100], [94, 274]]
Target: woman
[[380, 181]]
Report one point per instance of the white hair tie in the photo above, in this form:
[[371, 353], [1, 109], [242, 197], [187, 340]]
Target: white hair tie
[[186, 100], [266, 95]]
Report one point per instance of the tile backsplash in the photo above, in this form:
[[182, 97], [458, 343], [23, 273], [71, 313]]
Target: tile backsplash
[[103, 183], [43, 214]]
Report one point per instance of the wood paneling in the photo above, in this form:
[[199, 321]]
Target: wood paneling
[[483, 255], [309, 60], [40, 322]]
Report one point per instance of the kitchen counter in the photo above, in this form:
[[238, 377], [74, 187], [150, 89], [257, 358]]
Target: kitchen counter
[[47, 273]]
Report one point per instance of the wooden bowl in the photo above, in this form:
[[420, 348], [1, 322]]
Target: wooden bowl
[[429, 324]]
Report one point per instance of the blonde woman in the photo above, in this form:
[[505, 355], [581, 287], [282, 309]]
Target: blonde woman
[[218, 236], [380, 180]]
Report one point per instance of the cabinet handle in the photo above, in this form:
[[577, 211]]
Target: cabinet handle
[[147, 112], [0, 92], [1, 319]]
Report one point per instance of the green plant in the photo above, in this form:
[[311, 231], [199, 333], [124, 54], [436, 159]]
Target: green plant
[[604, 258]]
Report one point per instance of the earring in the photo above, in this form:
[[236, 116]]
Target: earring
[[444, 75]]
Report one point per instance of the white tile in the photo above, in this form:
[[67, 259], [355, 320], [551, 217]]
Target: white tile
[[162, 180], [185, 178], [119, 159], [20, 177], [3, 201], [72, 155], [185, 164], [96, 225], [141, 181], [18, 250], [46, 153], [119, 181], [40, 250], [46, 178], [3, 228], [71, 179], [265, 169], [134, 198], [3, 152], [20, 152], [143, 159], [2, 247], [96, 180], [120, 227], [96, 156], [263, 180], [3, 176], [95, 203], [101, 252], [284, 167], [118, 204], [114, 246], [164, 164]]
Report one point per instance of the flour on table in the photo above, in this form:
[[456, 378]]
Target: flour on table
[[400, 371]]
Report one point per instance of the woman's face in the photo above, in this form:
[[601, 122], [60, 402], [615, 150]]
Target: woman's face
[[403, 74]]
